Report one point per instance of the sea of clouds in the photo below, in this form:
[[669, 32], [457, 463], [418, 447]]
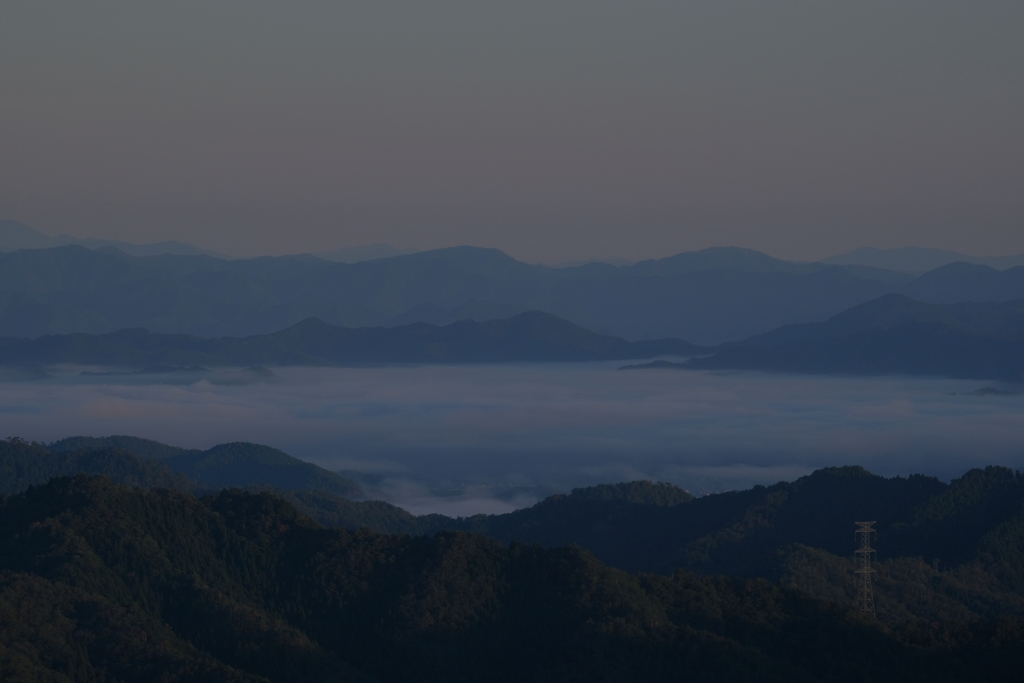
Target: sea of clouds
[[490, 438]]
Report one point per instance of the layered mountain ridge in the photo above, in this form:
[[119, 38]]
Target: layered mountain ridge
[[890, 335], [531, 336], [707, 297]]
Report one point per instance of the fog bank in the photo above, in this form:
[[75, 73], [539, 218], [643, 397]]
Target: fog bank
[[465, 439]]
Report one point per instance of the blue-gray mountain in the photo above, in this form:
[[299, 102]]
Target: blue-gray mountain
[[890, 335], [705, 297], [531, 336], [15, 236], [916, 260]]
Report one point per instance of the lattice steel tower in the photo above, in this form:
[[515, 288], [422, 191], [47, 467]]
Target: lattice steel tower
[[865, 554]]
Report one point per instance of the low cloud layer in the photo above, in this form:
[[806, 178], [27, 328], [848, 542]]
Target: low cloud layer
[[492, 438]]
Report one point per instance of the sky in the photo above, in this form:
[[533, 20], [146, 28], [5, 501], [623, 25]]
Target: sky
[[491, 438], [555, 130]]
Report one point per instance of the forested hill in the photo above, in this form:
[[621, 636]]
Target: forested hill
[[955, 547], [150, 464], [530, 336], [946, 551], [100, 582], [889, 335]]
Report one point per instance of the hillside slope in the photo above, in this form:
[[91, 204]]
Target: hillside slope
[[958, 544], [223, 466], [99, 582]]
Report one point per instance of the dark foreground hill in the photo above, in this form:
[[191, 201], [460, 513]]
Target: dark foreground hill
[[150, 464], [530, 336], [890, 335], [102, 583], [947, 551]]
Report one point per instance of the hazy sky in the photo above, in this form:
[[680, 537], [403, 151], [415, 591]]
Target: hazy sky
[[554, 130]]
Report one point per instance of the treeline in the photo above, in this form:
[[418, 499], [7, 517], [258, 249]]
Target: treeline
[[946, 551], [99, 582], [949, 588]]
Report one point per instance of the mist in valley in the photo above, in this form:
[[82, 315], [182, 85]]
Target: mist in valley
[[491, 438]]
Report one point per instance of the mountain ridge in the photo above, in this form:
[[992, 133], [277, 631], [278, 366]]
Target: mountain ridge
[[717, 295], [102, 582], [889, 335], [15, 235], [529, 336], [933, 536], [223, 466], [917, 260], [72, 289]]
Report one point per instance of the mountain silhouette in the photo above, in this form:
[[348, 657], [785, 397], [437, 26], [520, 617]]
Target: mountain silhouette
[[531, 336], [891, 335]]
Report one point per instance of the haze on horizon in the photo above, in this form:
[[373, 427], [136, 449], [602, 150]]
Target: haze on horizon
[[553, 131]]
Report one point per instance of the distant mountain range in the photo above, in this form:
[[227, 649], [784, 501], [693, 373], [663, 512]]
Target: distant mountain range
[[892, 334], [369, 252], [15, 235], [917, 260], [889, 335], [708, 297], [530, 336], [705, 297]]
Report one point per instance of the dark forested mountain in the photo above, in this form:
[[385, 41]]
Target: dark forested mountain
[[891, 335], [961, 543], [24, 464], [952, 534], [530, 336], [101, 582], [223, 466]]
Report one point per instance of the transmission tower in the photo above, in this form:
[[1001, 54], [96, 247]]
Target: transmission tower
[[865, 554]]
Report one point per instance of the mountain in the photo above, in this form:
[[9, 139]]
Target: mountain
[[918, 260], [958, 282], [997, 320], [530, 336], [707, 297], [101, 582], [224, 466], [973, 521], [368, 252], [15, 236], [72, 289], [738, 533], [946, 551], [23, 465], [891, 335]]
